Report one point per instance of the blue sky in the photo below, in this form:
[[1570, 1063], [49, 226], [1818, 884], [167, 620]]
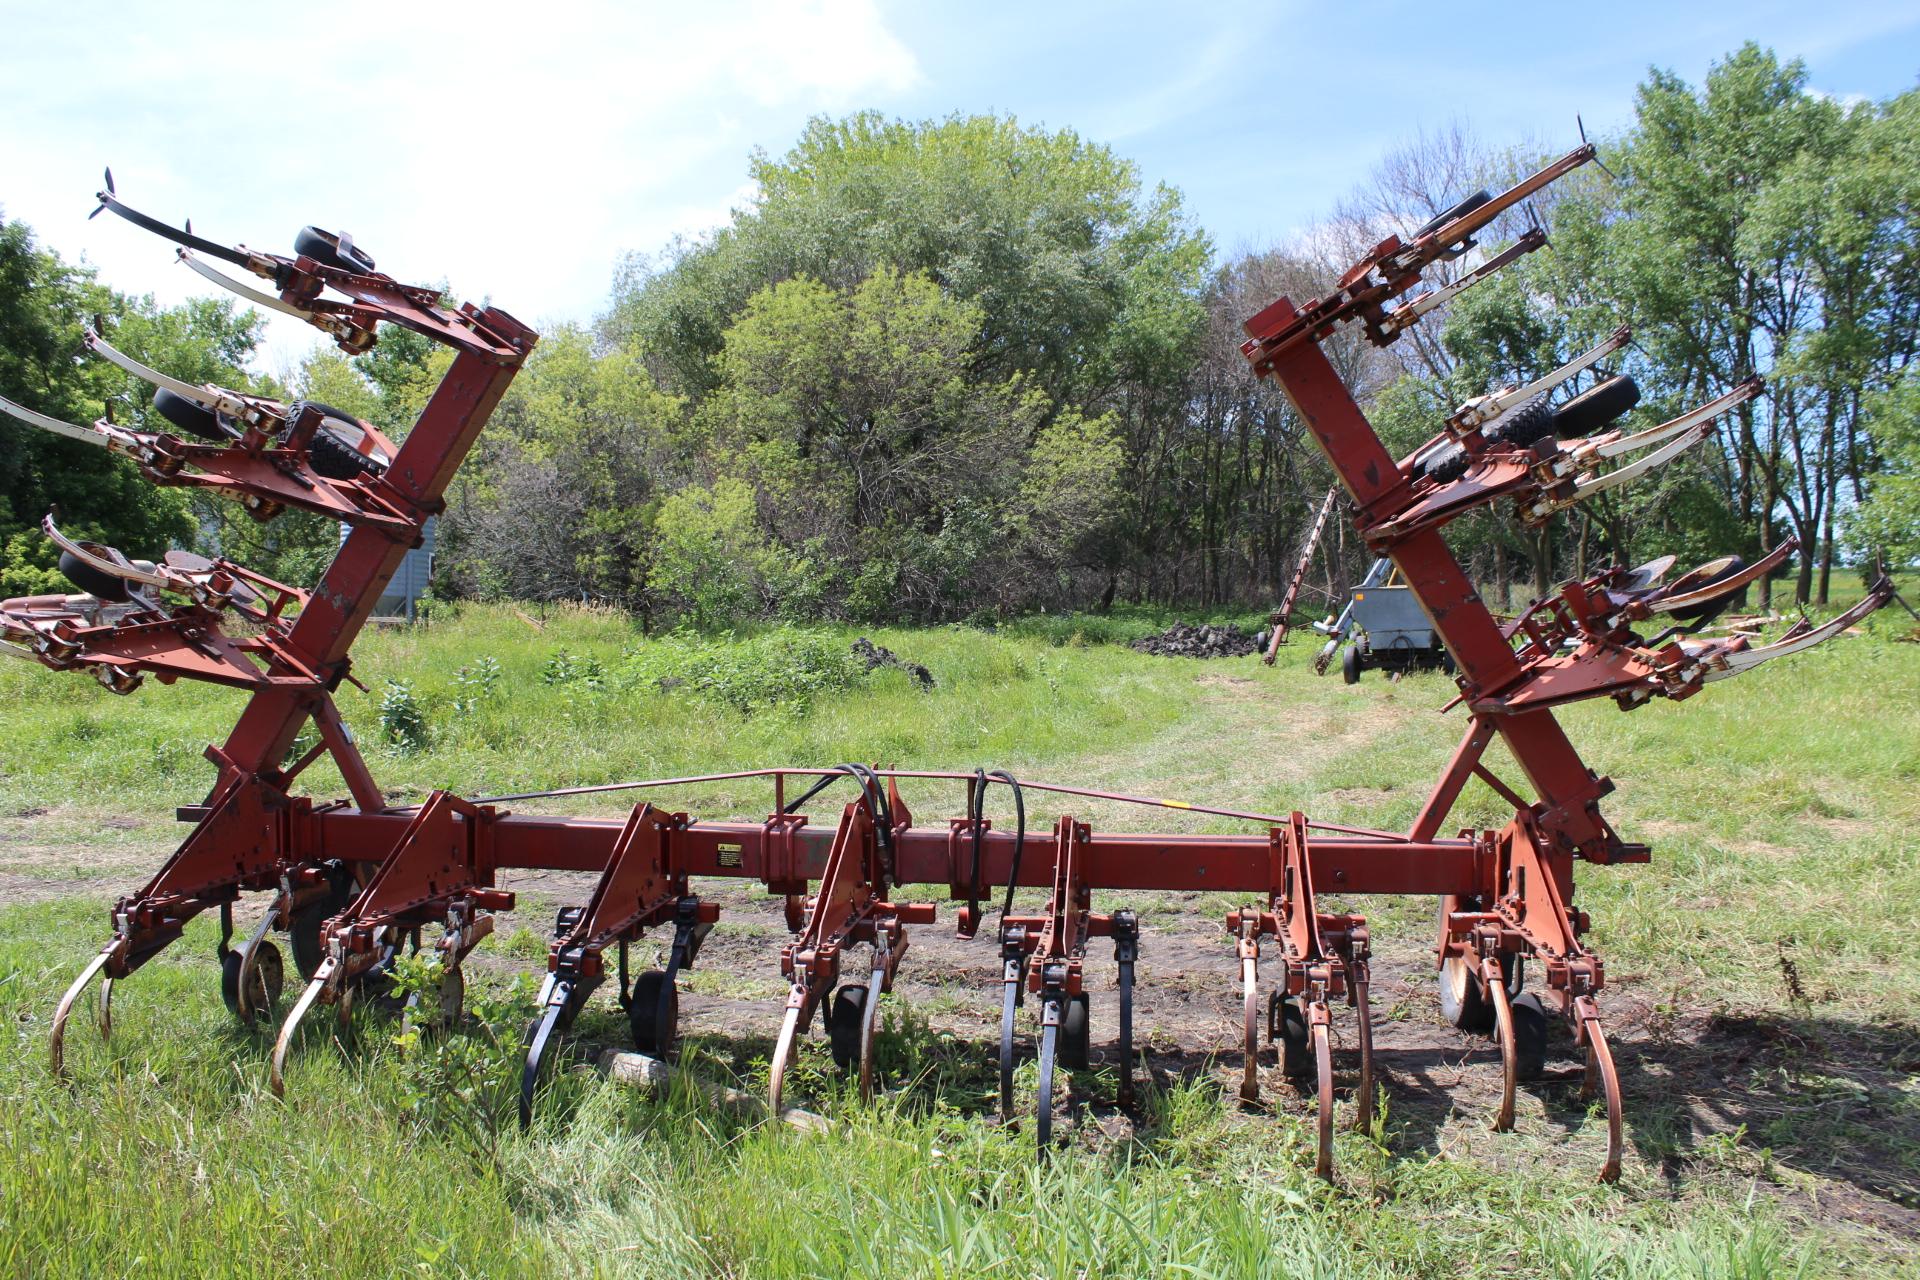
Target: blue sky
[[519, 150]]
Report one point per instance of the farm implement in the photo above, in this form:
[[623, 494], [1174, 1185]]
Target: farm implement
[[350, 884]]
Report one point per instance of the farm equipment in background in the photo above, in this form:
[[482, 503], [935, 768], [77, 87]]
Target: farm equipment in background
[[1383, 628], [1281, 618], [352, 883]]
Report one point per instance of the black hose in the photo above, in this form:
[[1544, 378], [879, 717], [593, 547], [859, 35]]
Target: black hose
[[976, 813], [1019, 837], [873, 793]]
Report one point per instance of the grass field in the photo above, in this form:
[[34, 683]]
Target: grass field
[[1762, 987]]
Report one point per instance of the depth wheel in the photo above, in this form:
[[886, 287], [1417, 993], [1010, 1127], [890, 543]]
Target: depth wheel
[[191, 417], [844, 1024], [1462, 1003], [101, 586], [1076, 1033], [1296, 1044], [1529, 1037], [654, 1012], [269, 980], [303, 934], [1350, 664]]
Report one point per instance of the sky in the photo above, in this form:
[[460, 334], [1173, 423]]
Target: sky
[[520, 151]]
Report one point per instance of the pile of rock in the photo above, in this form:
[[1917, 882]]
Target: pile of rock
[[1188, 640], [876, 656]]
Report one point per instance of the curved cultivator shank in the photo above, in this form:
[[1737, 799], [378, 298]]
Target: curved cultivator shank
[[354, 883]]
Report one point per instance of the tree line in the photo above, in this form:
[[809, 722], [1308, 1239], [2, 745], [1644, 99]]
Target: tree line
[[968, 367]]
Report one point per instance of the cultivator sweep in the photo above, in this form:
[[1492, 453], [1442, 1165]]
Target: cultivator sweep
[[351, 883]]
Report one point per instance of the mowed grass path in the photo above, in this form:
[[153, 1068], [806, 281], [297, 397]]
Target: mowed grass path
[[1783, 808]]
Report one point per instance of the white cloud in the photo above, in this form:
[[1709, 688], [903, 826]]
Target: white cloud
[[514, 152]]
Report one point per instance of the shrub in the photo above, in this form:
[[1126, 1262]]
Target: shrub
[[403, 723], [785, 667]]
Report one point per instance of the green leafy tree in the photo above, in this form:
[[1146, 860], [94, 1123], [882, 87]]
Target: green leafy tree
[[45, 306], [1079, 272]]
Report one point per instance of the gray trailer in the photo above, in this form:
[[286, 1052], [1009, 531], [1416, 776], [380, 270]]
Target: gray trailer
[[1383, 628]]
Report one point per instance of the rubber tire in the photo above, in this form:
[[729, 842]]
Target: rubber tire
[[1461, 1003], [1296, 1042], [643, 1013], [1532, 421], [1597, 407], [1700, 614], [1076, 1033], [1529, 1037], [271, 972], [303, 937], [1447, 463], [1466, 206], [194, 419], [844, 1023], [331, 452], [312, 242], [1350, 664], [101, 586]]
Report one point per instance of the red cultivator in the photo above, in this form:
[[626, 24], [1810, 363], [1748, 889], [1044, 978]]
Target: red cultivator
[[351, 882]]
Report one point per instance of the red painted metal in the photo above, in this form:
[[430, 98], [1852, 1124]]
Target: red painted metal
[[1506, 893]]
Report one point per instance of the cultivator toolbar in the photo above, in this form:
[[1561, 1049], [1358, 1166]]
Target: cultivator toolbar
[[351, 883]]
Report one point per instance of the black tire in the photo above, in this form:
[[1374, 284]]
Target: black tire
[[1465, 207], [1296, 1045], [332, 452], [324, 248], [1532, 421], [1076, 1033], [101, 586], [1529, 1037], [1350, 664], [269, 979], [194, 419], [653, 1027], [844, 1024], [1697, 615], [1461, 1002], [1447, 463], [334, 458], [303, 936], [1596, 407]]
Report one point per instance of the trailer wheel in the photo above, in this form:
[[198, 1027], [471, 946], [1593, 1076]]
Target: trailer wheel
[[1350, 664], [303, 934], [1461, 1002]]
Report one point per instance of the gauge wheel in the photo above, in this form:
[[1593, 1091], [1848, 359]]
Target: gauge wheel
[[192, 418]]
